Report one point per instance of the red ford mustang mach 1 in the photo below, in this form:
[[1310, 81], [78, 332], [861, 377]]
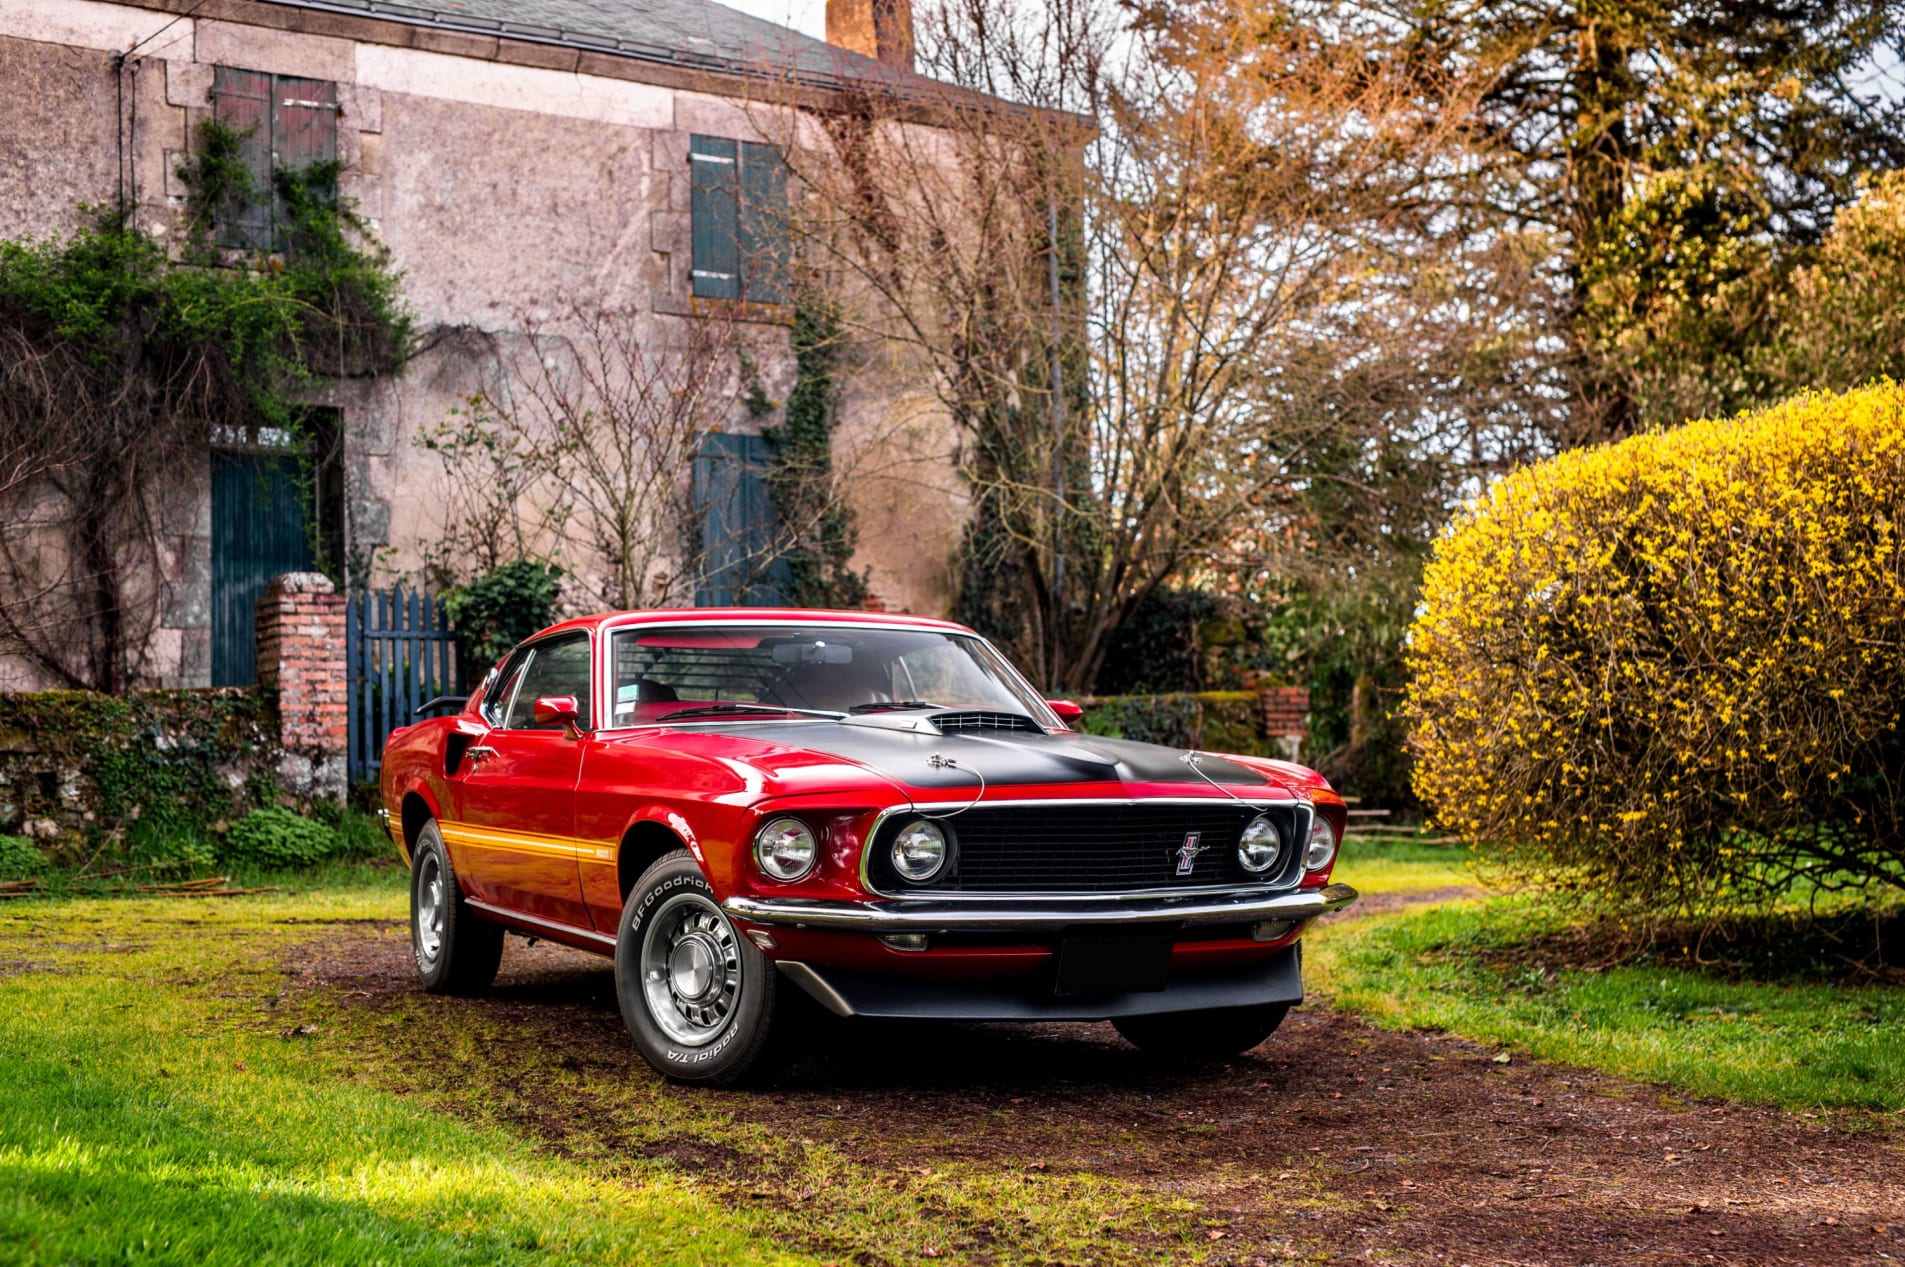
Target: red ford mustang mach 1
[[874, 810]]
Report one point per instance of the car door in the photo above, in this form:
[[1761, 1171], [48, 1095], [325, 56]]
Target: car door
[[513, 795]]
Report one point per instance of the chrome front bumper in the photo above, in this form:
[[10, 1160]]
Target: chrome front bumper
[[935, 915]]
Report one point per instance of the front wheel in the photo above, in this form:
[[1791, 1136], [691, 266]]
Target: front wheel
[[457, 951], [1195, 1036], [697, 997]]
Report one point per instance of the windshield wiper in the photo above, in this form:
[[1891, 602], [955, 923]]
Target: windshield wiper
[[744, 710], [883, 706]]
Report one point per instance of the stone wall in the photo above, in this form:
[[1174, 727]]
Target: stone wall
[[85, 774], [82, 772]]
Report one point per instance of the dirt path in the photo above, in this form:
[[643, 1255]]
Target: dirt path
[[1419, 1148]]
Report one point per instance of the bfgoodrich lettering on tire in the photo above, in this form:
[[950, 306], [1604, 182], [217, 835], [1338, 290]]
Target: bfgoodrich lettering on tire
[[457, 951], [697, 997]]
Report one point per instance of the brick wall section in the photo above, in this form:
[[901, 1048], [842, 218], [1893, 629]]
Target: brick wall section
[[301, 658], [1286, 715]]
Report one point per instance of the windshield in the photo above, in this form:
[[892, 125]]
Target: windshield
[[839, 668]]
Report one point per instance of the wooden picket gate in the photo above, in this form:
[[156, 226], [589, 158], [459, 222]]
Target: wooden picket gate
[[399, 653]]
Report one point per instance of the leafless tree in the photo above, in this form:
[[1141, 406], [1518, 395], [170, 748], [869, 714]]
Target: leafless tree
[[1159, 325], [585, 455], [89, 451]]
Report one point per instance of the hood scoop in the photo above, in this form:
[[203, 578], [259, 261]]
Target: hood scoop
[[951, 722], [980, 722]]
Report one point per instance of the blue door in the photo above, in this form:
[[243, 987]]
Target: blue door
[[740, 563], [260, 529]]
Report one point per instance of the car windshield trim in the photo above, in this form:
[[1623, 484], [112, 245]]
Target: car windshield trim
[[998, 685], [736, 710]]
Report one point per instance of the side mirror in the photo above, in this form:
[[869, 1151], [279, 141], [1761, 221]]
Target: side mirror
[[557, 710], [1067, 711]]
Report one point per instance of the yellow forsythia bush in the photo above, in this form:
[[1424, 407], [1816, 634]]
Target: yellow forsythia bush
[[1670, 671]]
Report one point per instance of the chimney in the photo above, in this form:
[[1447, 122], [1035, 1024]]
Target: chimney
[[880, 29]]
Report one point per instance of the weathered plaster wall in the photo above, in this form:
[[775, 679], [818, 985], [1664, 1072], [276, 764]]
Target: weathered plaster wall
[[501, 190]]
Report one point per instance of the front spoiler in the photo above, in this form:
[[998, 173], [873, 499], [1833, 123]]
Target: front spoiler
[[931, 915], [1278, 979]]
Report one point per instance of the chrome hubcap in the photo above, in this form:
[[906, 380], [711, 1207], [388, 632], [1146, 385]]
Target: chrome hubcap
[[691, 969], [429, 924]]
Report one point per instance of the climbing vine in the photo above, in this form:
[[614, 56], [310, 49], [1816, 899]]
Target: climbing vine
[[815, 524], [120, 361]]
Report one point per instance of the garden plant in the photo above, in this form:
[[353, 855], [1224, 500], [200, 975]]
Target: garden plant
[[1666, 672]]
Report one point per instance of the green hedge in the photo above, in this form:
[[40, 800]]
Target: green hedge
[[1212, 721]]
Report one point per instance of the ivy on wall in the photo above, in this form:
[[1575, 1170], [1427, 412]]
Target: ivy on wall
[[814, 522]]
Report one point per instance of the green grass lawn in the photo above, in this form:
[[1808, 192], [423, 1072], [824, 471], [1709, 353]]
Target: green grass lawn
[[1399, 864], [153, 1112], [172, 1095], [1465, 967]]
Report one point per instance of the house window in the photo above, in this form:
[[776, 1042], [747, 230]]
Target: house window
[[286, 126], [739, 210]]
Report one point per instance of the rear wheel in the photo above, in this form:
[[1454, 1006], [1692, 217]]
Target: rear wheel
[[1194, 1036], [457, 951], [697, 997]]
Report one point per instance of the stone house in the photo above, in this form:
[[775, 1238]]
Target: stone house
[[512, 155]]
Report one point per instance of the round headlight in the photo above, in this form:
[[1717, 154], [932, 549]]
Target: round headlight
[[785, 849], [919, 851], [1260, 846], [1322, 850]]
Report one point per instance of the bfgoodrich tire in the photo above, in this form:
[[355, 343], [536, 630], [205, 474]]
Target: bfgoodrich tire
[[457, 951], [697, 997], [1195, 1036]]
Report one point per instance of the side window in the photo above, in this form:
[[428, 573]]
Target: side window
[[496, 699], [286, 131], [738, 214], [559, 666]]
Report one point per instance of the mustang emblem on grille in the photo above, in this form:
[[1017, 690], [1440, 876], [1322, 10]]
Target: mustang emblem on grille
[[1187, 853]]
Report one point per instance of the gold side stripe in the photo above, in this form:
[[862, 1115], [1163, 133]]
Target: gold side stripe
[[524, 842]]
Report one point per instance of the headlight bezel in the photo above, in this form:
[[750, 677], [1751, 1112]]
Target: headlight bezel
[[1324, 835], [1276, 846], [894, 851], [762, 848]]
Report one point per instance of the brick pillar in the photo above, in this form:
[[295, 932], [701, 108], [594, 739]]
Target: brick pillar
[[301, 657], [1286, 718]]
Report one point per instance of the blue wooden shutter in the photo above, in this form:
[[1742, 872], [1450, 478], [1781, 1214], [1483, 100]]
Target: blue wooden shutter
[[764, 228], [303, 134], [285, 124], [241, 101], [715, 212], [735, 524]]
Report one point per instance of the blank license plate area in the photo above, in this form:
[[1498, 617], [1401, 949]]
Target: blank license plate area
[[1112, 965]]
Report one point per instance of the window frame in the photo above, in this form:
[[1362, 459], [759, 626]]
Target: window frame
[[585, 700]]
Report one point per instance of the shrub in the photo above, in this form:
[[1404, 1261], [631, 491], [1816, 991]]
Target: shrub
[[279, 838], [19, 857], [1669, 671], [500, 608]]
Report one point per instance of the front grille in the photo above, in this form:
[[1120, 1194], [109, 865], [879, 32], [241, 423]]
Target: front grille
[[950, 722], [1088, 849]]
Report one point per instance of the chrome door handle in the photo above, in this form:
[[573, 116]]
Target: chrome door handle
[[480, 753]]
